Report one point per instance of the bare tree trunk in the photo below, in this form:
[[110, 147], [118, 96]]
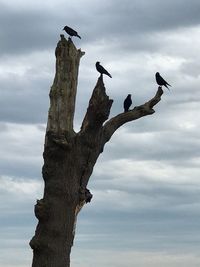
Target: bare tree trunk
[[69, 157], [56, 211]]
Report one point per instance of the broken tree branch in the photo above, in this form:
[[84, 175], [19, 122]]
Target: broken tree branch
[[137, 112]]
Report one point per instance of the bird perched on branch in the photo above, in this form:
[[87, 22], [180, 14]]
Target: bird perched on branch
[[71, 32], [101, 69], [160, 81], [127, 103]]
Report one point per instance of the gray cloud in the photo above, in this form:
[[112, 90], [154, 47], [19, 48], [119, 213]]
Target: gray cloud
[[136, 18], [23, 156]]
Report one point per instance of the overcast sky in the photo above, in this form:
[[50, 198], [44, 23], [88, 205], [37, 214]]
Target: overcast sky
[[146, 186]]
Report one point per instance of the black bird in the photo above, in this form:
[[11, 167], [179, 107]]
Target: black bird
[[127, 103], [101, 69], [71, 32], [88, 195], [160, 81]]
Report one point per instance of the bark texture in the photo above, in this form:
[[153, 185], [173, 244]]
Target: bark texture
[[69, 157]]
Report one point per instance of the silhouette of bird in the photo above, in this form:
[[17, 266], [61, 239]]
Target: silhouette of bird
[[160, 81], [101, 69], [71, 32], [88, 195], [127, 103]]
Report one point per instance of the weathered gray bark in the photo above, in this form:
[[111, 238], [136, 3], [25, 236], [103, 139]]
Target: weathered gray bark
[[69, 157]]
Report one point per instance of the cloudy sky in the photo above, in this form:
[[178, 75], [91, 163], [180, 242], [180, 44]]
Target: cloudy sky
[[146, 205]]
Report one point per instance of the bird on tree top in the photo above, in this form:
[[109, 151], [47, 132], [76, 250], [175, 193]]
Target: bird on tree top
[[101, 69], [71, 32], [160, 81]]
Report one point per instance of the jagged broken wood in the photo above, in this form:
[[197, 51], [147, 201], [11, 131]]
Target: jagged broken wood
[[69, 157]]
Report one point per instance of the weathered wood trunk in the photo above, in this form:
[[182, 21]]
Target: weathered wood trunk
[[69, 157], [62, 169]]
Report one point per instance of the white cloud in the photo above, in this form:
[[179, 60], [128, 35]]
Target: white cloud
[[20, 187], [23, 156], [134, 258]]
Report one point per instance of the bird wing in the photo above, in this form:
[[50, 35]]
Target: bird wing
[[71, 31], [104, 71], [163, 81]]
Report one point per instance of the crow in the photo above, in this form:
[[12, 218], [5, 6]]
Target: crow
[[88, 195], [71, 32], [160, 81], [101, 69], [127, 103]]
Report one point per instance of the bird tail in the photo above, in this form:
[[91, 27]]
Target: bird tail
[[167, 86], [107, 73]]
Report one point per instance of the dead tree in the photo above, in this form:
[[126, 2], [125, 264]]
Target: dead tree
[[69, 157]]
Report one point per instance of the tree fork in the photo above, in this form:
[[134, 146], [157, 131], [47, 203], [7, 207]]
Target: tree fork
[[69, 157]]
